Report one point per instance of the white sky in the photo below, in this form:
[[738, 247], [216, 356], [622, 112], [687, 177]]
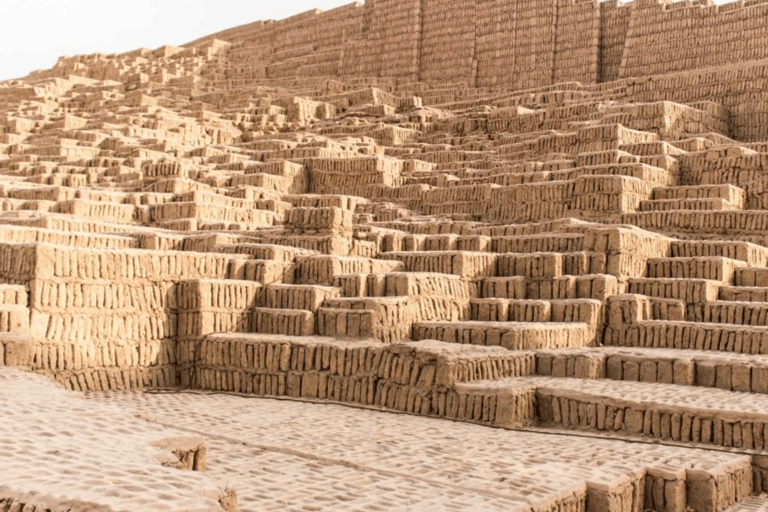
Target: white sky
[[34, 33]]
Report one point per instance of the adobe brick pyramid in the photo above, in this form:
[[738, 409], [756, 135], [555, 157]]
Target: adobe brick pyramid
[[546, 215]]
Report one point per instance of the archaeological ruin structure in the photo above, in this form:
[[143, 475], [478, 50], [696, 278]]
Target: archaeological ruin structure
[[549, 217]]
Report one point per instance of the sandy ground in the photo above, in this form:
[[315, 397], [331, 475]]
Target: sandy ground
[[61, 451], [284, 455], [61, 447]]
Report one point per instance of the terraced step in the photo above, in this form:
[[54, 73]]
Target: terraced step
[[346, 323], [478, 265], [387, 319], [273, 252], [14, 295], [14, 319], [510, 335], [686, 289], [744, 293], [510, 310], [625, 409], [288, 322], [16, 349], [297, 296], [631, 308], [322, 269], [503, 287], [700, 204], [731, 372], [712, 268], [754, 255], [728, 192], [466, 264], [749, 276], [404, 284], [593, 286], [656, 411], [550, 242], [738, 339], [751, 504], [737, 313]]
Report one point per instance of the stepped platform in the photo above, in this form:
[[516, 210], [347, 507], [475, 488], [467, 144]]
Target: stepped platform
[[715, 416], [543, 216]]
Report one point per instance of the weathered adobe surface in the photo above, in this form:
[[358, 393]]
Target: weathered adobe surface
[[268, 212]]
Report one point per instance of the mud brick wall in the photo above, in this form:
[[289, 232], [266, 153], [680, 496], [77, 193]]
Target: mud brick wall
[[323, 269], [385, 306], [614, 23], [328, 244], [624, 310], [494, 28], [346, 175], [27, 505], [732, 373], [555, 242], [753, 255], [109, 212], [18, 263], [512, 336], [745, 171], [277, 253], [207, 306], [478, 42], [15, 348], [736, 339], [396, 28], [433, 295], [534, 41], [448, 242], [14, 318], [424, 377], [670, 120], [287, 322], [385, 319], [597, 197], [15, 295], [127, 344], [577, 41], [470, 265], [288, 47], [733, 223], [627, 251], [712, 36], [448, 41], [163, 169], [389, 43], [303, 297], [12, 234], [472, 200], [323, 221], [552, 265], [735, 87], [495, 43], [534, 202], [106, 319], [286, 177], [211, 212], [579, 411]]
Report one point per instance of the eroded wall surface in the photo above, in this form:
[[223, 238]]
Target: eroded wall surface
[[514, 44]]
